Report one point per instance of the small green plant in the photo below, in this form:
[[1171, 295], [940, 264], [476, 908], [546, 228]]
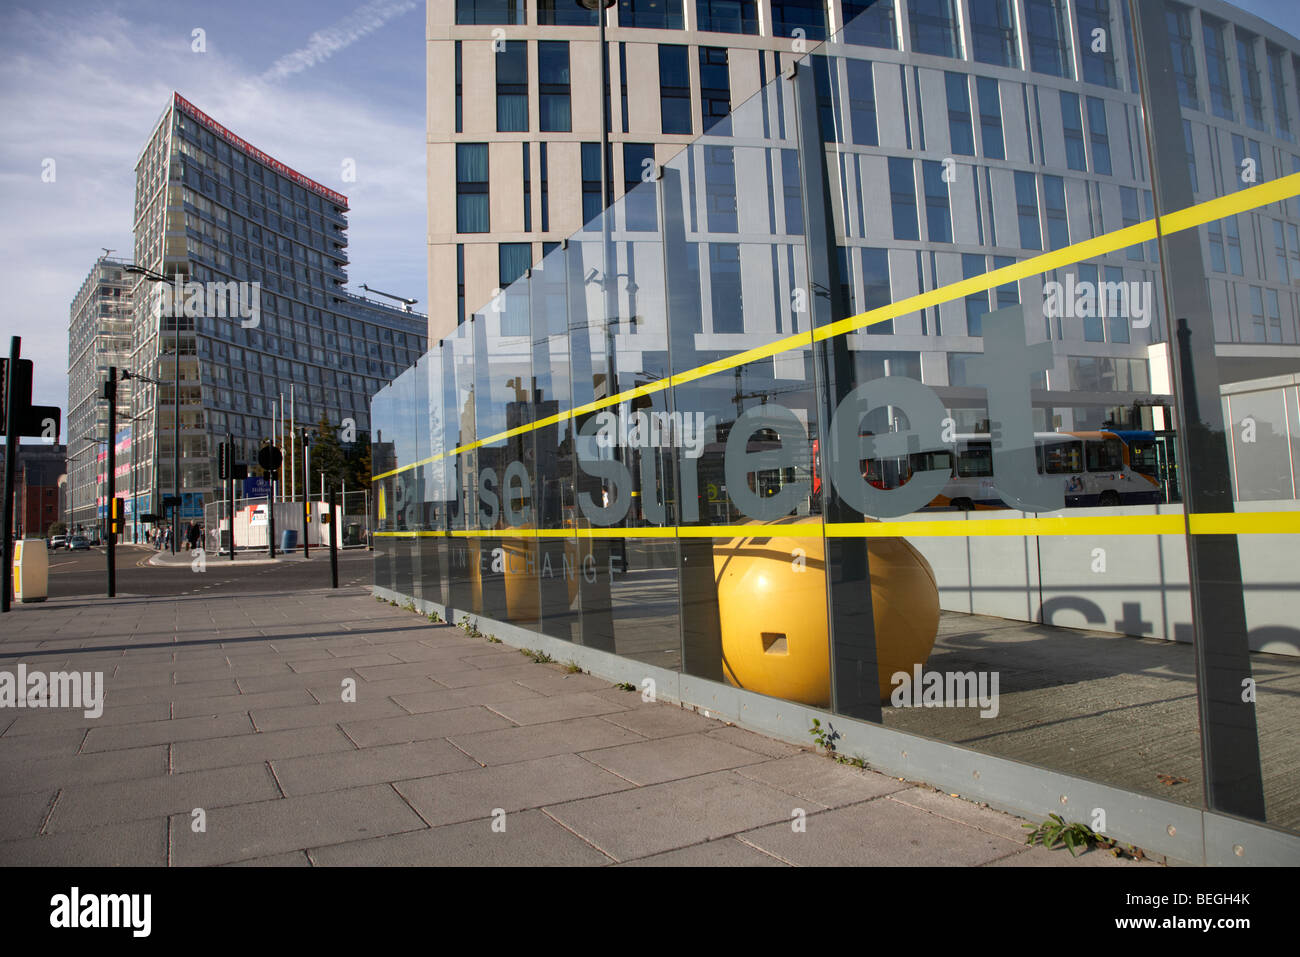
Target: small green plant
[[573, 668], [493, 639], [409, 606], [470, 627], [1055, 831], [540, 657], [824, 737], [434, 617], [857, 761], [625, 686]]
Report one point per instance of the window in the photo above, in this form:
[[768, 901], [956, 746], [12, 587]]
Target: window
[[993, 32], [826, 83], [513, 260], [793, 192], [1130, 216], [1116, 320], [902, 196], [724, 280], [471, 187], [1058, 227], [1233, 235], [938, 214], [1008, 294], [640, 208], [512, 87], [1277, 83], [990, 117], [870, 23], [1027, 211], [674, 89], [1178, 20], [460, 284], [1049, 52], [934, 27], [977, 303], [545, 187], [1252, 89], [1094, 329], [862, 102], [565, 13], [727, 16], [650, 14], [1098, 66], [553, 85], [720, 189], [715, 90], [806, 15], [960, 134], [1216, 67], [592, 199], [528, 188], [1218, 259], [1075, 155], [510, 12], [1099, 135], [460, 125]]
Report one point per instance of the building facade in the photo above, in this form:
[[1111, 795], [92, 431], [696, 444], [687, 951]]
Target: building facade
[[937, 384], [99, 337], [256, 258], [38, 478]]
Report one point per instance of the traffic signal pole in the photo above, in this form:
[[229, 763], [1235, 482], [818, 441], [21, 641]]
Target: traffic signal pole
[[11, 461], [306, 484], [110, 552], [230, 494]]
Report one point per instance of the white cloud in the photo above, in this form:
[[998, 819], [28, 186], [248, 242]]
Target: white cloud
[[323, 44]]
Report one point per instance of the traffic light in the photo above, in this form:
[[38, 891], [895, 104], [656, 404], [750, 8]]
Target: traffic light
[[115, 516], [223, 461]]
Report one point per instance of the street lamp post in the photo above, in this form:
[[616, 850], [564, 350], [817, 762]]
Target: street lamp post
[[176, 397]]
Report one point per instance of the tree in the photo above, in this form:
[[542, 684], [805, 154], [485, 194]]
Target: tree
[[327, 454]]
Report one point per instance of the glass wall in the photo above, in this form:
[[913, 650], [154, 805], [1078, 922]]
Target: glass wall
[[962, 469]]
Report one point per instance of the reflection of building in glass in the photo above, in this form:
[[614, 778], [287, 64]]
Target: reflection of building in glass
[[967, 136], [890, 335], [213, 209]]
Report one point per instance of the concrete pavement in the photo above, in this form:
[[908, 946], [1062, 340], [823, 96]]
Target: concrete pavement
[[325, 727]]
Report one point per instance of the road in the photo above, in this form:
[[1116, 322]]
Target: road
[[84, 573]]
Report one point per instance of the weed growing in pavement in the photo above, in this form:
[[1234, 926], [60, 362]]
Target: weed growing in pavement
[[434, 617], [1076, 837], [625, 686], [470, 627], [540, 657], [493, 639], [573, 668]]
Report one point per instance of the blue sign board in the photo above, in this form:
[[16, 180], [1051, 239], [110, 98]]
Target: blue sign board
[[257, 487]]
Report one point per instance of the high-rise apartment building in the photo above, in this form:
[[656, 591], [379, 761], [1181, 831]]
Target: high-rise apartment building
[[99, 336], [271, 316]]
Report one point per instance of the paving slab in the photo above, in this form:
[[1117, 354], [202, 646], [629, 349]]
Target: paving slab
[[820, 779], [163, 732], [257, 748], [135, 844], [246, 831], [237, 703], [963, 812], [879, 833], [332, 712], [666, 759], [376, 765], [22, 815], [662, 720], [93, 805], [34, 773], [530, 839], [676, 814], [725, 852], [467, 795], [544, 709], [421, 727], [541, 740], [445, 699]]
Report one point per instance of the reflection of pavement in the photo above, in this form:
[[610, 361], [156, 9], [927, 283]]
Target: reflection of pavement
[[1114, 709], [646, 618]]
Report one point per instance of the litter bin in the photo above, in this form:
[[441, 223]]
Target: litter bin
[[225, 540], [352, 534], [31, 570], [288, 540]]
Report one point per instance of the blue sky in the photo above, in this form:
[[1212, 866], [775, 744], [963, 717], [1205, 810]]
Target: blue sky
[[311, 83]]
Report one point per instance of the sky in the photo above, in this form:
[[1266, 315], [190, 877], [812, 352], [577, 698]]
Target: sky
[[314, 83]]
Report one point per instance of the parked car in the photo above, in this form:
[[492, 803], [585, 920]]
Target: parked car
[[58, 541], [78, 543]]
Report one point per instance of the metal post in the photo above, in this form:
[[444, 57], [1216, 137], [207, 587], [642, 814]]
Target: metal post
[[270, 518], [176, 425], [306, 477], [110, 538], [230, 496], [334, 544], [11, 460]]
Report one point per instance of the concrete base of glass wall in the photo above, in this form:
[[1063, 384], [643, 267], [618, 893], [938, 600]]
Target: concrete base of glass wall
[[1182, 835]]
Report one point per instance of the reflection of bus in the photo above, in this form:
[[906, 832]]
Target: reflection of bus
[[1096, 468]]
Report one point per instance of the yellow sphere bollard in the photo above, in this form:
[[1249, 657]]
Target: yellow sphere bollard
[[772, 605]]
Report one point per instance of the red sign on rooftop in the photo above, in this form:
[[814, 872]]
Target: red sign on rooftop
[[337, 199]]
